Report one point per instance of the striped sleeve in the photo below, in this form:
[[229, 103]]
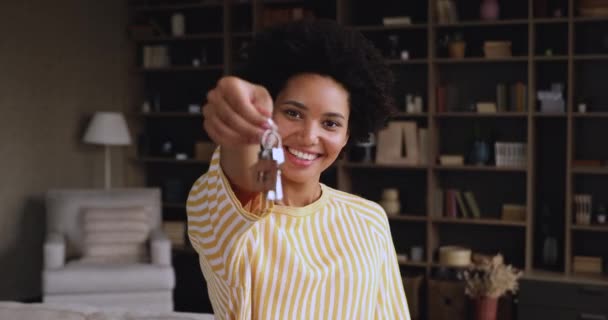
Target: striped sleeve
[[217, 222], [392, 303]]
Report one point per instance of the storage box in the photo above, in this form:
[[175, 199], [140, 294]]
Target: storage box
[[412, 293], [513, 212], [497, 49], [447, 300], [583, 264]]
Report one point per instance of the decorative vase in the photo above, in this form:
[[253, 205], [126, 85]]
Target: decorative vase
[[489, 10], [390, 201], [457, 49], [178, 24], [485, 308], [481, 153]]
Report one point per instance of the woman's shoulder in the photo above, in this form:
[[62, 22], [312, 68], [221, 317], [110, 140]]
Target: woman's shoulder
[[357, 205]]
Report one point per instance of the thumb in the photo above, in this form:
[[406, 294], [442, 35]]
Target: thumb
[[262, 100]]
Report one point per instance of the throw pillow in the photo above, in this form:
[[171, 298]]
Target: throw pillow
[[115, 235]]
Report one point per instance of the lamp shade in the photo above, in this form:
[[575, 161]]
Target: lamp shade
[[108, 128]]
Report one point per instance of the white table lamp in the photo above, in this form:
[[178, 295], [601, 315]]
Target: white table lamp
[[108, 129]]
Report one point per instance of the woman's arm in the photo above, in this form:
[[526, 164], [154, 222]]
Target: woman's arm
[[235, 117]]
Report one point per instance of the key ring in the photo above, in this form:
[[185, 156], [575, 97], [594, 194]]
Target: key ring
[[270, 137]]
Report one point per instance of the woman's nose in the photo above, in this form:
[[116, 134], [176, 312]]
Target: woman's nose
[[309, 134]]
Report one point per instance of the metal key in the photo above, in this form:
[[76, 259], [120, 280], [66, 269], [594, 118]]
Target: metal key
[[270, 157]]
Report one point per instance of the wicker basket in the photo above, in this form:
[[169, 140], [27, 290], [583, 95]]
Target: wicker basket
[[497, 49]]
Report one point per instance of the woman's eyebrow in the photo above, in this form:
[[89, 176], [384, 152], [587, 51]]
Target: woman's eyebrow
[[302, 106]]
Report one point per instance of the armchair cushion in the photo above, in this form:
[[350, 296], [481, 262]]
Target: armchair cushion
[[115, 235], [54, 251], [79, 277]]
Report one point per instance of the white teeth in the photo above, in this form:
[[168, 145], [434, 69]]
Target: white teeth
[[302, 155]]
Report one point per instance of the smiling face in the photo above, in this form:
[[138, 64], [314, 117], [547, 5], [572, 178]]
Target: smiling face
[[312, 113]]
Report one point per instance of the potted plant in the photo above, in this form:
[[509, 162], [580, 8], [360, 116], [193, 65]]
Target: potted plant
[[488, 279], [457, 46]]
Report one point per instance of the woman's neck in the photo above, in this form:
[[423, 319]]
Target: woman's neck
[[300, 195]]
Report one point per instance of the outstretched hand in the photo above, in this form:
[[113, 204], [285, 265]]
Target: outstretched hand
[[237, 112]]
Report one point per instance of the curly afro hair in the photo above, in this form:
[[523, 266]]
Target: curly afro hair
[[323, 47]]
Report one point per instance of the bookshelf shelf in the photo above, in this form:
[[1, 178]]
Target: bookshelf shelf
[[550, 20], [592, 228], [188, 37], [558, 58], [478, 221], [407, 217], [448, 115], [590, 115], [410, 115], [589, 19], [479, 168], [406, 62], [175, 7], [550, 115], [590, 170], [218, 67], [481, 60], [413, 26], [171, 160], [480, 23], [358, 165], [591, 57]]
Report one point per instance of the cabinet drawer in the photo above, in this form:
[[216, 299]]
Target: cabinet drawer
[[563, 295]]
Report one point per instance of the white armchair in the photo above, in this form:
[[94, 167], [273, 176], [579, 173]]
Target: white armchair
[[69, 279]]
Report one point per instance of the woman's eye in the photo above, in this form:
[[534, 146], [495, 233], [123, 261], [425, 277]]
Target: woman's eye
[[292, 113], [331, 124]]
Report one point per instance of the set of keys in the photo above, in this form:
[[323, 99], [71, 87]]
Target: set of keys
[[267, 169]]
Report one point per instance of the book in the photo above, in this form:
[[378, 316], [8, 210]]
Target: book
[[441, 98], [501, 97], [438, 203], [451, 159], [472, 203], [462, 208], [486, 107], [396, 21], [450, 203], [423, 146]]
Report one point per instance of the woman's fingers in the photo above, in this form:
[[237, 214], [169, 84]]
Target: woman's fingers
[[252, 102], [236, 112], [234, 120], [220, 133]]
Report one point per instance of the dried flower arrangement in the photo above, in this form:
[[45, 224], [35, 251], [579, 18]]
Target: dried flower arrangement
[[490, 277]]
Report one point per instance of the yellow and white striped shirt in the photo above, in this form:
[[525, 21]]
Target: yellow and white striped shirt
[[332, 259]]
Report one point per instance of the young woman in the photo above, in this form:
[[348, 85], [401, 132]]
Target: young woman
[[318, 253]]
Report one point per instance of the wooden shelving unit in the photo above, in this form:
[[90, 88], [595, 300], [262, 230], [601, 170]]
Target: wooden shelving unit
[[553, 140]]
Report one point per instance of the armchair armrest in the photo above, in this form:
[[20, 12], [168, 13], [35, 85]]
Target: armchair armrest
[[54, 251], [160, 248]]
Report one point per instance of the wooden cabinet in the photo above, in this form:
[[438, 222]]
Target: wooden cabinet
[[561, 300]]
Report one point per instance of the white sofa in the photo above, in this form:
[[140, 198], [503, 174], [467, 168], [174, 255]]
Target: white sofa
[[43, 311]]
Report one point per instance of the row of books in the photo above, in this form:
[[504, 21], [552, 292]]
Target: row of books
[[455, 203]]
